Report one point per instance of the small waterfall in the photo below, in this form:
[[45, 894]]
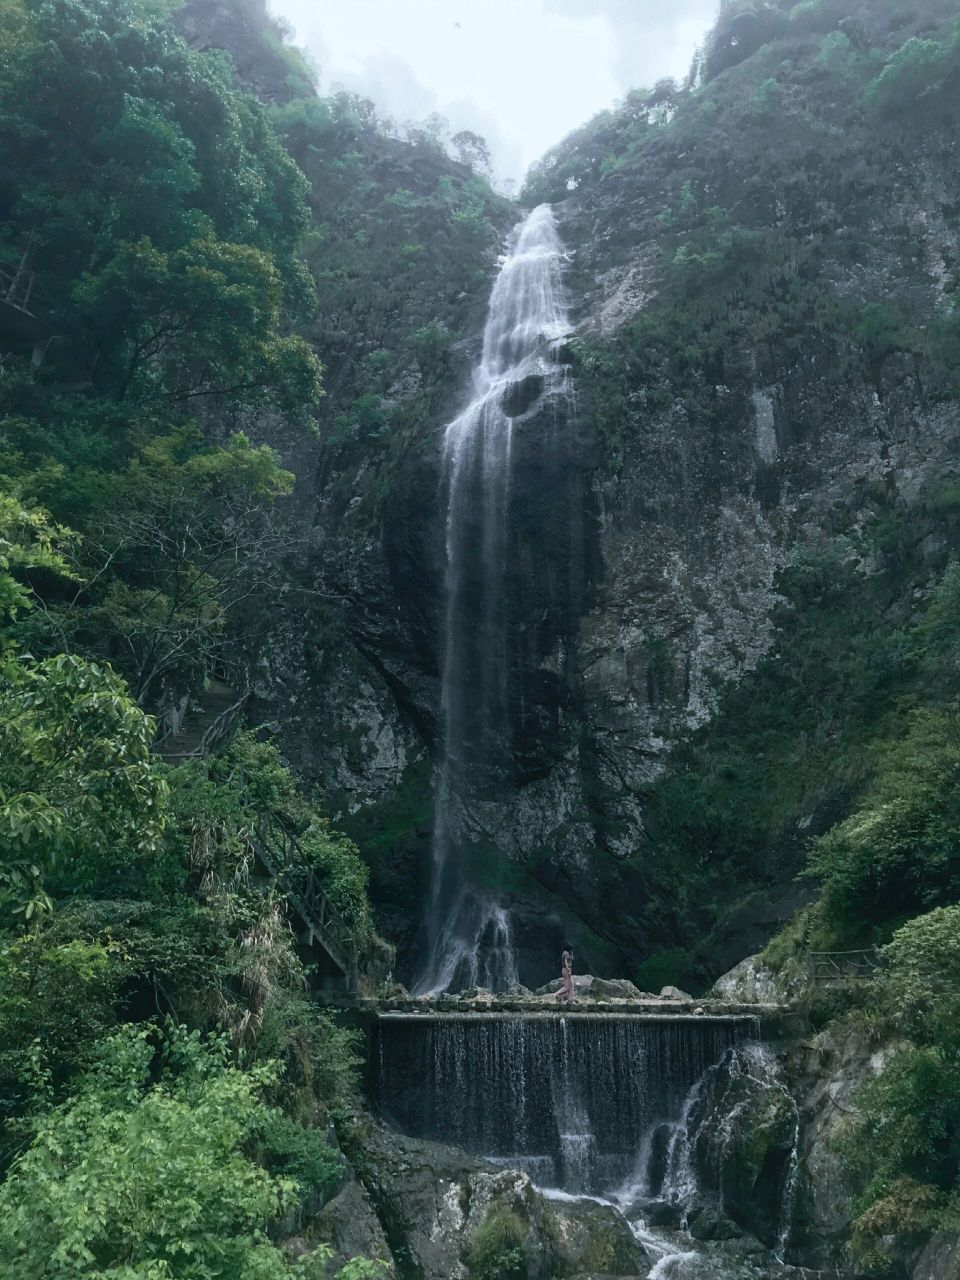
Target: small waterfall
[[572, 1099], [518, 379], [682, 1163], [475, 949]]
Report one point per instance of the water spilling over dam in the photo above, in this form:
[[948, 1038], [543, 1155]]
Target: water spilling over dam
[[575, 1101]]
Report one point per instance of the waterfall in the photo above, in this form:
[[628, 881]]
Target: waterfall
[[570, 1099], [469, 933]]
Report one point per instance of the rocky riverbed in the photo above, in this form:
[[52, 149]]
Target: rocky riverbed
[[740, 1181]]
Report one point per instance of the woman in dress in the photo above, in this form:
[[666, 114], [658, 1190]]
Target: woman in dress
[[566, 974]]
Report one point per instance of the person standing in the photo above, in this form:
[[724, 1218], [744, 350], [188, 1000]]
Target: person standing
[[566, 992]]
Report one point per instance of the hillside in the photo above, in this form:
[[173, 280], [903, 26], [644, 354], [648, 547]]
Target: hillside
[[718, 623]]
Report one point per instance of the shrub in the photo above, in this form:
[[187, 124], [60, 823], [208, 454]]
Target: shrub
[[904, 1145], [906, 1209], [837, 54], [496, 1250], [922, 984], [899, 853], [150, 1179], [82, 800], [814, 15], [913, 72], [290, 1150]]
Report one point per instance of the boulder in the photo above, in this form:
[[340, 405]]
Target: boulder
[[753, 982], [586, 986], [593, 1239], [433, 1200], [674, 993], [744, 1134], [616, 989], [708, 1223], [349, 1225], [517, 991], [825, 1073]]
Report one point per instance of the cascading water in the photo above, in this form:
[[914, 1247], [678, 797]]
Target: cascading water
[[518, 379], [570, 1099], [621, 1109]]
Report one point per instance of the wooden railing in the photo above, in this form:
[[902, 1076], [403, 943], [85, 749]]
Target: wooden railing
[[223, 726], [842, 966], [280, 855], [16, 288], [236, 678], [16, 282]]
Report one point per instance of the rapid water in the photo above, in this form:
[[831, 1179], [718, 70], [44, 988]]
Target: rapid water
[[616, 1109], [572, 1100], [518, 380]]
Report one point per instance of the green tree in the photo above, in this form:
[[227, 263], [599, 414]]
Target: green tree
[[899, 852], [187, 538], [81, 796], [29, 540], [134, 1180], [162, 215]]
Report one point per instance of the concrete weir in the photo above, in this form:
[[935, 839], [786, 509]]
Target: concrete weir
[[568, 1094], [770, 1021]]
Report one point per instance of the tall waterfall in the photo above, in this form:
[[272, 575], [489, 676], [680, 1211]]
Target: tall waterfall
[[518, 379]]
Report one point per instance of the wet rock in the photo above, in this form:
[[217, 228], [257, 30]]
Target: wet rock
[[663, 1213], [940, 1260], [432, 1199], [708, 1223], [825, 1073], [521, 396], [592, 1239], [674, 993], [745, 1127]]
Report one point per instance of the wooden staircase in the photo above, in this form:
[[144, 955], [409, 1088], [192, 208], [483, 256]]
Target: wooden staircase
[[205, 725], [318, 926]]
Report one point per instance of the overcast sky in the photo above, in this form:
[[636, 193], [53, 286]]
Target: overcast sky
[[521, 72]]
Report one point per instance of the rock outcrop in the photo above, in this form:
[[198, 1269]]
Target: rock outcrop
[[433, 1200]]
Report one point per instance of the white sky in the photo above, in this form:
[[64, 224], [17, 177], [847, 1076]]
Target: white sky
[[523, 73]]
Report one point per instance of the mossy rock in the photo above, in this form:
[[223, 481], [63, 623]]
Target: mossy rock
[[592, 1239], [744, 1146]]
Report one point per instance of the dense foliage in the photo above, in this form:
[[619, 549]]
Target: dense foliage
[[165, 1077], [903, 1146]]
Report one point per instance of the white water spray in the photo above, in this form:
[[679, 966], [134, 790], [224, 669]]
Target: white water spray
[[469, 934]]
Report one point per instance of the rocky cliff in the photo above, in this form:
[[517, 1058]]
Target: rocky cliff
[[713, 556]]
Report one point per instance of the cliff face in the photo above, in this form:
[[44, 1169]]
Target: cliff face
[[764, 264], [712, 557]]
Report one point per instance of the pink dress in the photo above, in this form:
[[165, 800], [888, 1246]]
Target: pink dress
[[566, 992]]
